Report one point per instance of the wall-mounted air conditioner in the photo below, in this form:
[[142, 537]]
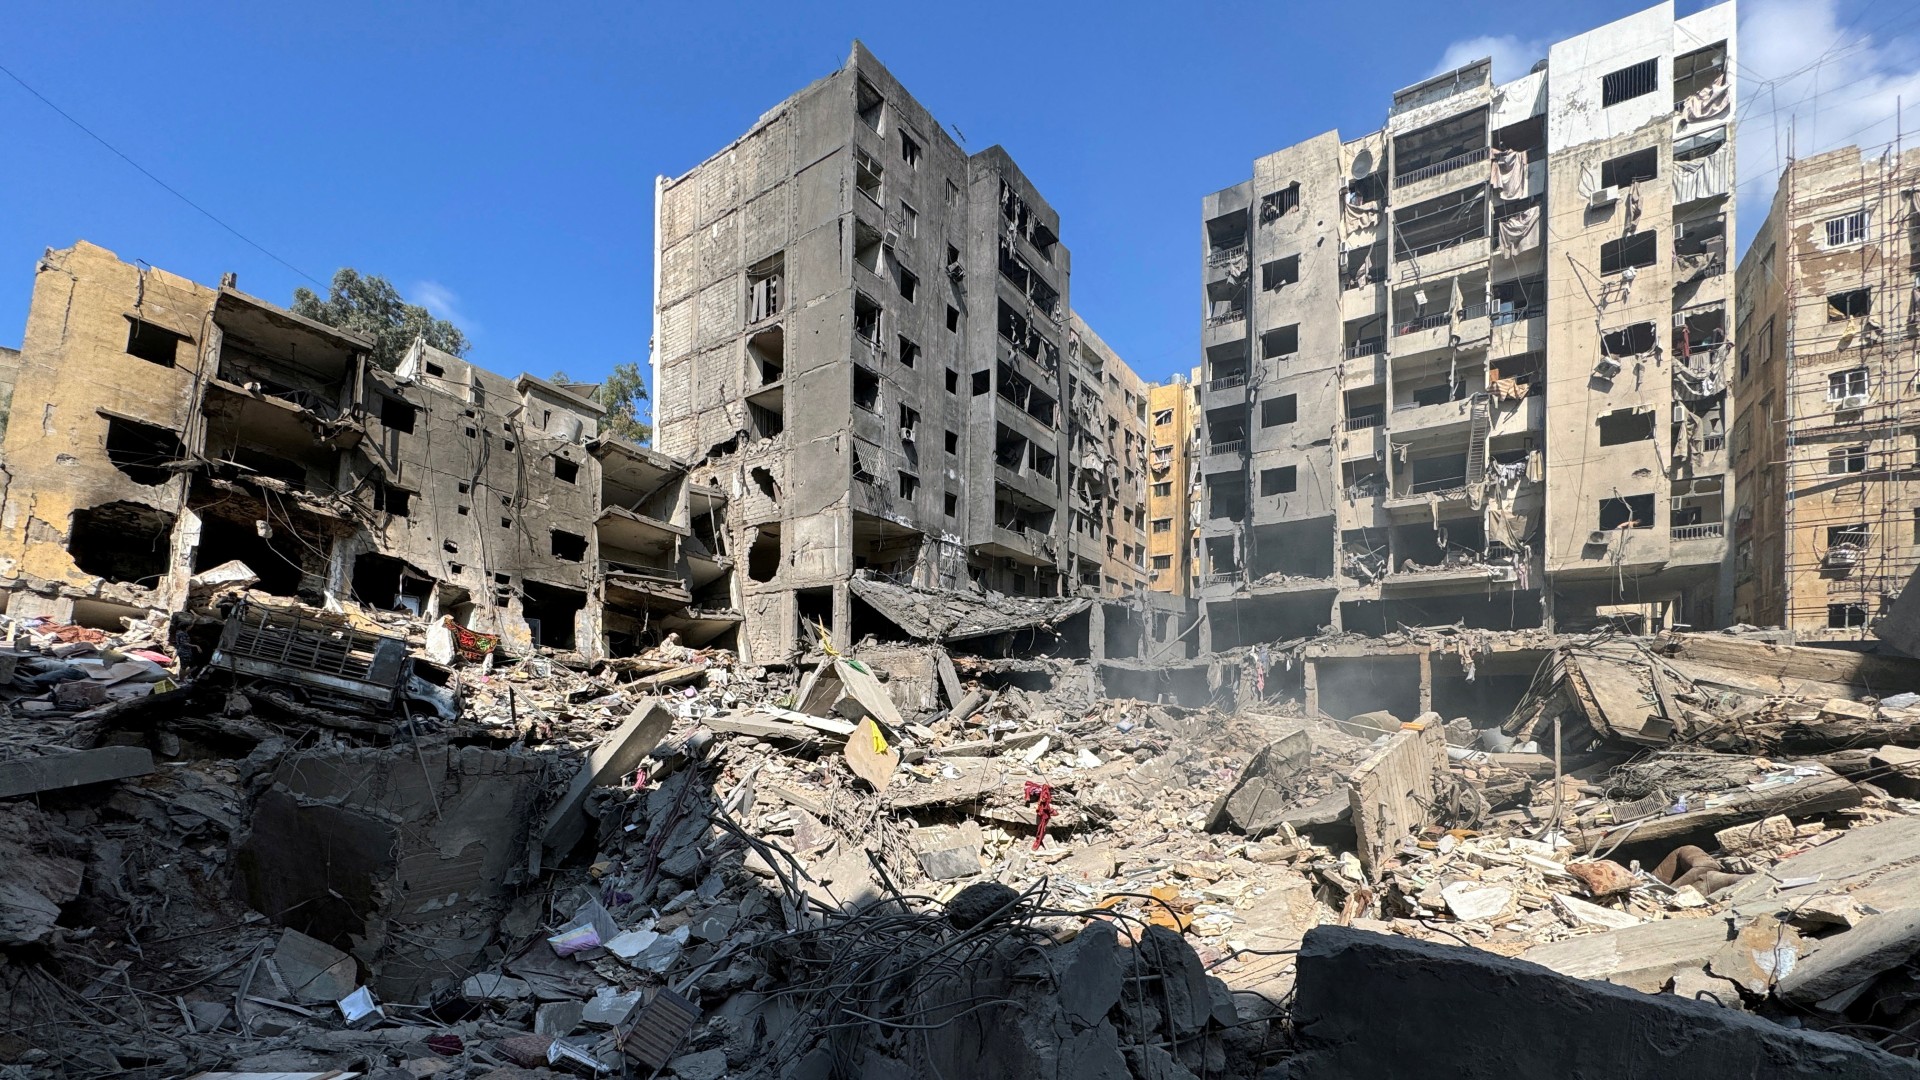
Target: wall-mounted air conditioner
[[1851, 401], [1605, 196], [1599, 537]]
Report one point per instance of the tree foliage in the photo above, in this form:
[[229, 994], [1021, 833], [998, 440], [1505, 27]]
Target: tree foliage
[[622, 393], [370, 305]]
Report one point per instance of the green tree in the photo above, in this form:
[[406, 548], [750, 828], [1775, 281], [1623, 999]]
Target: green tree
[[370, 305], [622, 394]]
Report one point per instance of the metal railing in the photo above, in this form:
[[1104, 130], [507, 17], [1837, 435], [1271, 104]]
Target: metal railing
[[1714, 442], [1228, 382], [1424, 322], [1426, 486], [1361, 423], [1231, 446], [1506, 316], [1404, 253], [1369, 347], [1711, 530], [1441, 168], [1226, 253], [1236, 315]]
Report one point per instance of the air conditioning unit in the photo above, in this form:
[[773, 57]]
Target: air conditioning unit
[[1599, 537], [1605, 196], [1851, 401], [893, 238], [906, 434], [1607, 368], [1843, 556], [1501, 573]]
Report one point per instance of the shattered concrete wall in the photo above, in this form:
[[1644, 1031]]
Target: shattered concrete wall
[[88, 310], [9, 370], [406, 863]]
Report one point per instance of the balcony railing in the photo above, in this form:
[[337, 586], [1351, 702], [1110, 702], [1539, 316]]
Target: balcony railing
[[1369, 347], [1506, 316], [1236, 315], [1425, 486], [1710, 531], [1441, 168], [1361, 423], [1219, 576], [1226, 253], [1228, 382], [1424, 322], [1714, 442], [1230, 446]]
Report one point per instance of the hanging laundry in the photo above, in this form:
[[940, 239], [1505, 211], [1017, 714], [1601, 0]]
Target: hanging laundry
[[1510, 174], [1701, 177], [1707, 103], [1520, 232]]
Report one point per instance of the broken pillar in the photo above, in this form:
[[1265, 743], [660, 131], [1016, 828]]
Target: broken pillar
[[617, 755], [1393, 792]]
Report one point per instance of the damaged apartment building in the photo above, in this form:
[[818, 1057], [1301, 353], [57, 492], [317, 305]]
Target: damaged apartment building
[[1471, 368], [177, 427], [1825, 526], [863, 336]]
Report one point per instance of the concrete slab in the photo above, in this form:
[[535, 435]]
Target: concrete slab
[[616, 756], [1391, 791], [52, 772]]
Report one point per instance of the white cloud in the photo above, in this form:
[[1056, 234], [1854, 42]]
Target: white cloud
[[1811, 79], [1512, 56], [443, 302]]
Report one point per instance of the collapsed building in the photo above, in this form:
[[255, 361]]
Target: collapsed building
[[178, 427], [864, 336]]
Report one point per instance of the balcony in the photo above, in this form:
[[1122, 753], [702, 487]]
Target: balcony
[[1228, 446], [1368, 347], [1362, 423], [1226, 254], [1713, 530], [1227, 382], [1442, 168]]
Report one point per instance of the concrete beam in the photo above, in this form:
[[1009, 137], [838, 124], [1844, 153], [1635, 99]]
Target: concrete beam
[[1459, 1011], [51, 772]]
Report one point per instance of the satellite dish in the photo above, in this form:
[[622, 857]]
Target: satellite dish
[[1363, 164]]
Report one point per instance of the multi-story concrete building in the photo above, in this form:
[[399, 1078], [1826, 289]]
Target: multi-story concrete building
[[1106, 465], [1170, 442], [862, 333], [177, 427], [1825, 526], [1390, 321]]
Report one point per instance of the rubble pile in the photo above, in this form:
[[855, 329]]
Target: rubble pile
[[900, 861]]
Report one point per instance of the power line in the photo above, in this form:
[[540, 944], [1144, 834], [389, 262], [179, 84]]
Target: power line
[[170, 189]]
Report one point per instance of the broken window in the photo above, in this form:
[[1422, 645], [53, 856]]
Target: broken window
[[390, 584], [1633, 250], [550, 613], [142, 451], [866, 319], [909, 219], [982, 382], [1846, 616], [1625, 426], [763, 287], [765, 421], [121, 541], [868, 102], [953, 442], [154, 344], [1629, 169], [1854, 228], [1040, 460], [909, 151], [953, 318], [565, 545], [866, 389], [909, 285], [1847, 459], [1278, 481], [909, 352], [1275, 411], [1163, 489], [397, 414], [1274, 205], [388, 499], [1280, 272], [951, 504], [1852, 304], [1162, 417], [909, 423], [1629, 82], [1627, 512], [866, 175], [1848, 385], [1632, 340], [1284, 341], [909, 485]]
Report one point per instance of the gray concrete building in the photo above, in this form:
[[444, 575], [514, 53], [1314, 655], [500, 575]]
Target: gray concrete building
[[1390, 321], [862, 336]]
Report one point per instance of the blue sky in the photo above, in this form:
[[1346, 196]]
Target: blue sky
[[497, 162]]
